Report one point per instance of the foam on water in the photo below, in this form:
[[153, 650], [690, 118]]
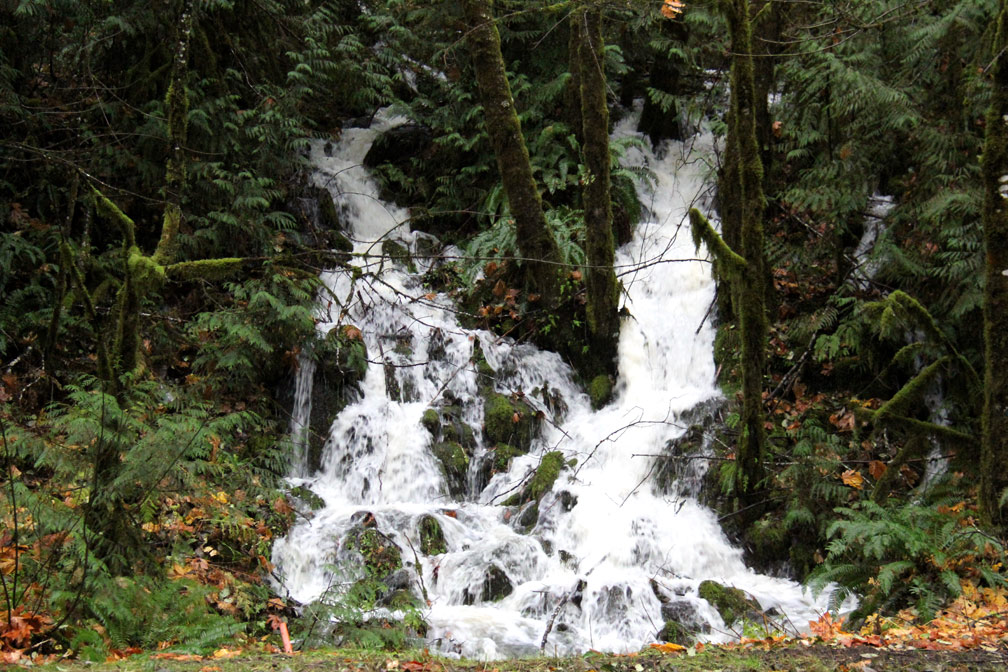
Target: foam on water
[[609, 543]]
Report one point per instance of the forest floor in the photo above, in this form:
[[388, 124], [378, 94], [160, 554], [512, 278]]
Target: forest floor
[[793, 657]]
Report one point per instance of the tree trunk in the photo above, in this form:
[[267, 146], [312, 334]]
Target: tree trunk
[[602, 289], [994, 448], [539, 250], [572, 90], [742, 181]]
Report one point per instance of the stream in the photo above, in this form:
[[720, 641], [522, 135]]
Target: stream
[[621, 543]]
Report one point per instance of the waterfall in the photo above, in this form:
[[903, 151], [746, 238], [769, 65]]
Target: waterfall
[[616, 549]]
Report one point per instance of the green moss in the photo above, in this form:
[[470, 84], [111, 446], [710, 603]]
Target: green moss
[[459, 432], [510, 421], [381, 555], [454, 464], [343, 355], [732, 604], [398, 253], [546, 474], [432, 540], [485, 373], [600, 390], [676, 633], [431, 421], [305, 494], [503, 453]]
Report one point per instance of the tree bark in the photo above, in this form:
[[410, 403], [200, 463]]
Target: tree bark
[[994, 447], [744, 269], [539, 250], [752, 311], [602, 289]]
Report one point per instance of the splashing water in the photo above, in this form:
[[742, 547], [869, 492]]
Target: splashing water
[[612, 553]]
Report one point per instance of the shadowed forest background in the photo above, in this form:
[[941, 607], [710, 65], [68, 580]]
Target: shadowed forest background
[[161, 245]]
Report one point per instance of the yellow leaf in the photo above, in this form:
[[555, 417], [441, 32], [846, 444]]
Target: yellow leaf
[[853, 479], [672, 8], [668, 647]]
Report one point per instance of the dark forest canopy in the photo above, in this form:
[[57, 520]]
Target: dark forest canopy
[[159, 261]]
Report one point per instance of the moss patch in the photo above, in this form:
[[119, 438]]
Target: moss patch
[[454, 464], [546, 474], [732, 604], [600, 391], [509, 420], [381, 555], [311, 500], [432, 541]]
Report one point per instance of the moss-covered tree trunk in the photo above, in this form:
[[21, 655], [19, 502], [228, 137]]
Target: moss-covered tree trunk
[[746, 268], [994, 448], [572, 90], [602, 289], [535, 242]]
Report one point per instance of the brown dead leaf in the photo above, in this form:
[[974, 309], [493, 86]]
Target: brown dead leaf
[[876, 468]]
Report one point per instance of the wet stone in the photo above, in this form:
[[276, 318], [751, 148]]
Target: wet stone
[[496, 586]]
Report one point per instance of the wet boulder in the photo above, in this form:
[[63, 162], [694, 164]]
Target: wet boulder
[[600, 391], [382, 556], [495, 586], [733, 604], [510, 420], [432, 541], [454, 463]]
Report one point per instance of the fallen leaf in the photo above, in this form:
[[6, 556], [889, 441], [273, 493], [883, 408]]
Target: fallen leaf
[[876, 468], [853, 479]]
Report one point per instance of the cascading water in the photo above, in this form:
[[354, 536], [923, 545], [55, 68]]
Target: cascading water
[[611, 554]]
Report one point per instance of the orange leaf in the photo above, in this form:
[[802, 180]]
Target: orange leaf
[[668, 647], [853, 479], [672, 8], [876, 468]]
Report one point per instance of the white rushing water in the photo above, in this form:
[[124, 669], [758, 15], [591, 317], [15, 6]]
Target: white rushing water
[[618, 547]]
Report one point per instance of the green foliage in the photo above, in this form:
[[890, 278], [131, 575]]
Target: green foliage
[[243, 344], [144, 613], [910, 554], [359, 610]]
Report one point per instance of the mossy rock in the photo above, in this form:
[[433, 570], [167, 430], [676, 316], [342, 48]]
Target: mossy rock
[[460, 432], [733, 604], [546, 474], [382, 556], [454, 465], [398, 253], [431, 422], [502, 456], [676, 633], [432, 541], [509, 420], [342, 354], [310, 499], [496, 586], [600, 390], [485, 373]]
